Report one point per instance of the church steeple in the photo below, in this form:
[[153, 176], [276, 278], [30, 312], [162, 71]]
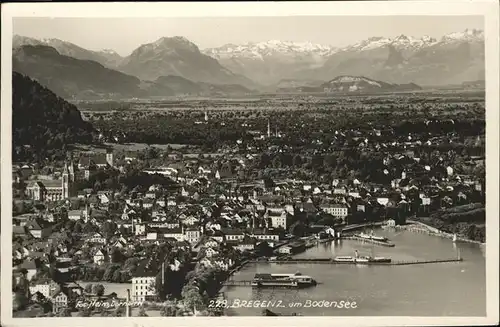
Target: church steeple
[[65, 182]]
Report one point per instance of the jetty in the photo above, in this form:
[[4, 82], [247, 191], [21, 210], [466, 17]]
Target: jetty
[[367, 240], [332, 262]]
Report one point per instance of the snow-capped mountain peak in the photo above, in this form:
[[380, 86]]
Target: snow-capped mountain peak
[[259, 50], [109, 51], [467, 35]]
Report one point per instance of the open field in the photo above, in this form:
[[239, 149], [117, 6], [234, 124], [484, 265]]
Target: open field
[[284, 102]]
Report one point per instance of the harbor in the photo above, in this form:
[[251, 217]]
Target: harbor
[[442, 272]]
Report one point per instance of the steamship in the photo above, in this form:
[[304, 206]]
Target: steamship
[[296, 280]]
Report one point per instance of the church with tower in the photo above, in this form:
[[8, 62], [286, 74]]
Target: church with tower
[[53, 189]]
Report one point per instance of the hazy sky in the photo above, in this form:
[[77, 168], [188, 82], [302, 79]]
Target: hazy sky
[[125, 34]]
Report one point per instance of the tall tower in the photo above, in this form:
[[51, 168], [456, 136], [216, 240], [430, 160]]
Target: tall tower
[[206, 116], [268, 129], [109, 157], [65, 182], [71, 171]]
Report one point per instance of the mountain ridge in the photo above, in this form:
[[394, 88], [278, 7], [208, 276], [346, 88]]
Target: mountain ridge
[[73, 78], [269, 62], [453, 58], [178, 56]]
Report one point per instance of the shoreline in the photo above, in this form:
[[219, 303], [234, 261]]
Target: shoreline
[[422, 227]]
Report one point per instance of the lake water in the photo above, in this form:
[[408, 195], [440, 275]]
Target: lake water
[[438, 289]]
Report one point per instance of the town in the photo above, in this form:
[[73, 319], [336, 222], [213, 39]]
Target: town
[[168, 224]]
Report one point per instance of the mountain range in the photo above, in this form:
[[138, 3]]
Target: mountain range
[[106, 57], [74, 78], [174, 65], [455, 57]]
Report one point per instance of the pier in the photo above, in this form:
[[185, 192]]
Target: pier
[[367, 240], [332, 262]]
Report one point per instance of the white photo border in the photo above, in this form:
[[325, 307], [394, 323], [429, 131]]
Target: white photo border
[[488, 9]]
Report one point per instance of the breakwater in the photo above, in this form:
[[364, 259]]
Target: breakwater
[[333, 262], [419, 227], [367, 240]]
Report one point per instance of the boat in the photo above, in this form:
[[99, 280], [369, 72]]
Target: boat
[[454, 237], [344, 259], [296, 280], [381, 259], [361, 259], [372, 237]]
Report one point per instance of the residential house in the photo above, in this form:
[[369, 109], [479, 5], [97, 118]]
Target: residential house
[[59, 300], [100, 256], [148, 203], [104, 198], [45, 287], [278, 217], [140, 229], [335, 209], [96, 238], [176, 233], [75, 214], [30, 266], [192, 235], [20, 252], [190, 221], [233, 234], [262, 235], [89, 162], [339, 190], [143, 282], [210, 252], [39, 228], [150, 195], [222, 263], [154, 234], [247, 244], [19, 231]]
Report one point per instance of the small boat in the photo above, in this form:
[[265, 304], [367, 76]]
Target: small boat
[[454, 237]]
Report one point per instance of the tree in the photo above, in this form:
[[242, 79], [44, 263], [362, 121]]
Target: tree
[[117, 276], [119, 311], [89, 228], [142, 312], [64, 313], [98, 289], [169, 309], [123, 231], [88, 288], [77, 229], [108, 229], [84, 313], [20, 301], [116, 256]]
